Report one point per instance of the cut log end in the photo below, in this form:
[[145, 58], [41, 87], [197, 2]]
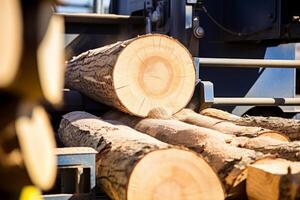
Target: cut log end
[[10, 41], [134, 166], [173, 174], [51, 68], [276, 136], [136, 75], [37, 145], [154, 71], [273, 179]]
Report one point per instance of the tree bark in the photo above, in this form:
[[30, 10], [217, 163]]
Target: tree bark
[[273, 179], [191, 117], [229, 161], [261, 140], [288, 127], [219, 114], [136, 75], [132, 165]]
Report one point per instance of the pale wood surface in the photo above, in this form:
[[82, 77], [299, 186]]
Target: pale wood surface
[[229, 161], [289, 127], [10, 41], [273, 179], [40, 75], [37, 145], [136, 75], [51, 61], [133, 165]]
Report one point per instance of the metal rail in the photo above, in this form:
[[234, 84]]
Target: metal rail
[[257, 101], [249, 63], [92, 18]]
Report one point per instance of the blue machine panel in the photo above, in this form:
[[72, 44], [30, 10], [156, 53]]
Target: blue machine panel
[[274, 82]]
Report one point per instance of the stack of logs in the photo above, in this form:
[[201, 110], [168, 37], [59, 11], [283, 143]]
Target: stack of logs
[[152, 148], [32, 68]]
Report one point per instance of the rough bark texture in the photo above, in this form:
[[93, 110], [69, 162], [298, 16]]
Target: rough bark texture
[[229, 161], [191, 117], [119, 150], [91, 73], [264, 144], [135, 75], [125, 155], [259, 141], [288, 127]]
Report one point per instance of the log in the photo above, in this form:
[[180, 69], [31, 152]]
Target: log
[[40, 160], [27, 150], [219, 114], [10, 41], [132, 165], [262, 140], [51, 60], [136, 75], [40, 69], [191, 117], [273, 179], [288, 127], [267, 145], [227, 160]]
